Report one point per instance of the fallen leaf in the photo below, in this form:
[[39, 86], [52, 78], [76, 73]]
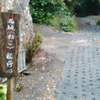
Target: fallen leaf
[[42, 58], [36, 69], [43, 68], [3, 4]]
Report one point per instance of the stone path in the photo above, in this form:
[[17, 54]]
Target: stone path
[[81, 73]]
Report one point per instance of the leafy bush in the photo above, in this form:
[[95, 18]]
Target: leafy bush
[[98, 23], [33, 47], [65, 23], [50, 11], [42, 10], [72, 3], [3, 92]]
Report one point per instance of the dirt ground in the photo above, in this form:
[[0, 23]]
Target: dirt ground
[[45, 75], [46, 67]]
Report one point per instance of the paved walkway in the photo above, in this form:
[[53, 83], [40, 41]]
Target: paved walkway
[[81, 73]]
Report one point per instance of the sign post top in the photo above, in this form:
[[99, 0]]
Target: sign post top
[[9, 44]]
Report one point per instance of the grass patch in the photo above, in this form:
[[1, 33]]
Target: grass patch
[[33, 47]]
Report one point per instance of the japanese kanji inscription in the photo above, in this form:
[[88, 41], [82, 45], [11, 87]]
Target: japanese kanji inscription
[[9, 44]]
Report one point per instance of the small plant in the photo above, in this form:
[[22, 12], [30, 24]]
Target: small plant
[[35, 64], [98, 23], [19, 87], [3, 91], [33, 47]]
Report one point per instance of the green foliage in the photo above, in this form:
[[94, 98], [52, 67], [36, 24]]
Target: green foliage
[[3, 92], [65, 23], [50, 11], [3, 89], [72, 3], [2, 97], [33, 47], [19, 87], [87, 7], [41, 10], [98, 23]]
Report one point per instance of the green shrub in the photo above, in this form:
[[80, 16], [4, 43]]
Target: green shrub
[[42, 10], [72, 3], [50, 11], [3, 92], [65, 23], [33, 47], [98, 23]]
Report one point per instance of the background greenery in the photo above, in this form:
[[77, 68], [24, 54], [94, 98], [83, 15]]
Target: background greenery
[[60, 13], [84, 7], [98, 22], [53, 12]]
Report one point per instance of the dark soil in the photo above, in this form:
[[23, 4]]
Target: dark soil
[[45, 70]]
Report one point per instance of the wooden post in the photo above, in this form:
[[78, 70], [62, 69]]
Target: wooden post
[[9, 88], [9, 40], [9, 47], [0, 10], [1, 81]]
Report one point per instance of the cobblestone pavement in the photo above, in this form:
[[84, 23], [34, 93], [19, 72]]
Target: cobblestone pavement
[[81, 73]]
